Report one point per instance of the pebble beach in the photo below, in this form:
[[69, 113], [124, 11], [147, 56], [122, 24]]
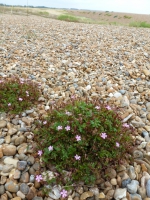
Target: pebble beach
[[109, 62]]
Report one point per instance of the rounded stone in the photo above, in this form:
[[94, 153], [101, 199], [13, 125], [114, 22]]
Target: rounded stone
[[125, 182], [11, 186], [113, 181], [148, 188], [24, 178], [2, 189], [120, 193], [24, 188], [9, 150], [21, 165], [10, 161], [2, 123], [133, 186], [111, 173], [20, 194]]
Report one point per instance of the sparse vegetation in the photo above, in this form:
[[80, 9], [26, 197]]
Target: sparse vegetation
[[68, 18], [140, 24], [107, 14], [44, 13], [127, 17]]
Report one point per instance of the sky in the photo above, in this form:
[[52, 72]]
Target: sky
[[128, 6]]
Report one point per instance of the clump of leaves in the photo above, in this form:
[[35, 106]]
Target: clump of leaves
[[80, 138], [17, 95]]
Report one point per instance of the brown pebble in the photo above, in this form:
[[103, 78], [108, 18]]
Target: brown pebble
[[144, 168]]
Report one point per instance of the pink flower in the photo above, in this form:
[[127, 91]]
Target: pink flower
[[40, 152], [9, 104], [97, 107], [21, 82], [67, 128], [50, 148], [27, 92], [20, 99], [68, 113], [59, 128], [27, 95], [73, 97], [78, 138], [38, 178], [1, 81], [117, 144], [64, 193], [108, 107], [45, 122], [126, 125], [77, 157], [103, 135]]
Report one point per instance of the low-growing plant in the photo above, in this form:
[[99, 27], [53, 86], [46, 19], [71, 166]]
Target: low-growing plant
[[115, 16], [80, 138], [127, 17], [17, 95], [140, 24], [68, 18], [43, 13], [108, 14]]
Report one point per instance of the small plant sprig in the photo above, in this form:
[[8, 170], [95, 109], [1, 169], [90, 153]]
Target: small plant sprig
[[82, 138], [17, 95]]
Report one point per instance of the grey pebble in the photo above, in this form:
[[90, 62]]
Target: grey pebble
[[135, 196], [2, 140], [148, 188], [21, 165], [133, 186], [37, 198], [24, 188], [125, 183], [2, 189]]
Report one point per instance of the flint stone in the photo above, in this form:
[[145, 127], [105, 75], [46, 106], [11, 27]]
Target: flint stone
[[31, 194], [10, 161], [24, 188], [21, 165], [125, 182], [20, 194], [24, 177], [133, 186], [142, 192], [12, 131], [11, 186], [2, 140], [138, 154], [1, 151], [2, 189], [148, 188], [135, 197], [55, 192], [37, 198], [17, 174], [148, 147], [111, 173], [85, 195], [9, 150], [131, 172], [2, 123], [120, 193], [7, 168]]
